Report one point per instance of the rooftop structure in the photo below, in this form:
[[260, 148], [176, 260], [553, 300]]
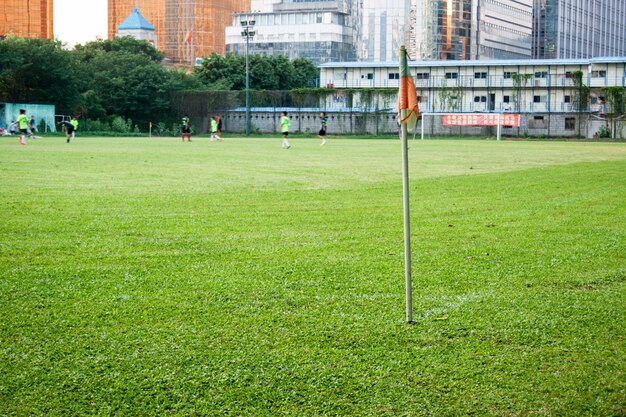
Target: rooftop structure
[[138, 27]]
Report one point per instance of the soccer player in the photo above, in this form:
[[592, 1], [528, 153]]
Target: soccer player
[[214, 130], [284, 129], [74, 123], [69, 129], [219, 127], [186, 130], [33, 124], [22, 124], [322, 133]]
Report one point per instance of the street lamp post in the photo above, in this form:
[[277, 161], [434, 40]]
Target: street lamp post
[[248, 33]]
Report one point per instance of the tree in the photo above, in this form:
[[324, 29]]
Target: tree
[[123, 44], [128, 85], [306, 73], [124, 77], [37, 71], [615, 98], [266, 72]]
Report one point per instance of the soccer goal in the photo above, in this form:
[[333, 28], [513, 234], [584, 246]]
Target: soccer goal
[[466, 124]]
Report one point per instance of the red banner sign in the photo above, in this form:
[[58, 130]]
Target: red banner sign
[[480, 119]]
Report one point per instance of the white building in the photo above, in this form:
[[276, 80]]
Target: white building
[[552, 94], [321, 30]]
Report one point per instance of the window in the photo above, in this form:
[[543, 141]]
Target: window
[[570, 123], [537, 122], [394, 75], [541, 74], [480, 75], [508, 75], [422, 76], [539, 99], [506, 99], [567, 99], [452, 75], [569, 74], [598, 74], [480, 99]]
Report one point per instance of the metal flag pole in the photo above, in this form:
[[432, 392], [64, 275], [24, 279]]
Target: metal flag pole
[[405, 194]]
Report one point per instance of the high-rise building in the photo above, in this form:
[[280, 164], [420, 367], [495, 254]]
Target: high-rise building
[[574, 29], [382, 29], [31, 19], [185, 29], [320, 30], [470, 29]]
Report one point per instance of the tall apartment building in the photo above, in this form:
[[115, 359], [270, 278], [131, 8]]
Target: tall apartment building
[[185, 29], [31, 19], [572, 29], [470, 29], [320, 30]]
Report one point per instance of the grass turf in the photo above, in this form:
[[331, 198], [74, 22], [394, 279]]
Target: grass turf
[[153, 277]]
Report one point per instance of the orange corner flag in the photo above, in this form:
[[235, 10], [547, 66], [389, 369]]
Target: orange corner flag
[[407, 95]]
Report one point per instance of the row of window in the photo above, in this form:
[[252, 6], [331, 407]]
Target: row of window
[[536, 99], [483, 75]]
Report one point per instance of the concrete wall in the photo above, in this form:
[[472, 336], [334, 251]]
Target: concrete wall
[[563, 125], [309, 122]]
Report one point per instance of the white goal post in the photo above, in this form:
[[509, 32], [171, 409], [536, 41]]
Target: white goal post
[[474, 120]]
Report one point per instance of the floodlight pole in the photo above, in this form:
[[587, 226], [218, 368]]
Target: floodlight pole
[[248, 32]]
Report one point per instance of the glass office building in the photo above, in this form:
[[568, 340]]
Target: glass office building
[[383, 29], [476, 29], [573, 29]]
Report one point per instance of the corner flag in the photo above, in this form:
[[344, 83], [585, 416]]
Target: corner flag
[[408, 114], [407, 96]]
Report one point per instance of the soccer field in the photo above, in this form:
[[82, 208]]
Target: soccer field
[[154, 277]]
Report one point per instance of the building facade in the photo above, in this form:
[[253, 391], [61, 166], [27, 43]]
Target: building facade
[[552, 94], [374, 30], [185, 29], [32, 20], [321, 30], [475, 29], [570, 29]]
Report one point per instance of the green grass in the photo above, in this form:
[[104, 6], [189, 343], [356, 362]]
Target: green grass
[[153, 277]]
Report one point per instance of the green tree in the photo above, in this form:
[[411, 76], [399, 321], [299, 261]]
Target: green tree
[[284, 71], [37, 71], [306, 74], [124, 77], [263, 76], [123, 44], [616, 109], [266, 72]]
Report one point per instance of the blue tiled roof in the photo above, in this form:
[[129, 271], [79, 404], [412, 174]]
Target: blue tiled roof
[[135, 22]]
